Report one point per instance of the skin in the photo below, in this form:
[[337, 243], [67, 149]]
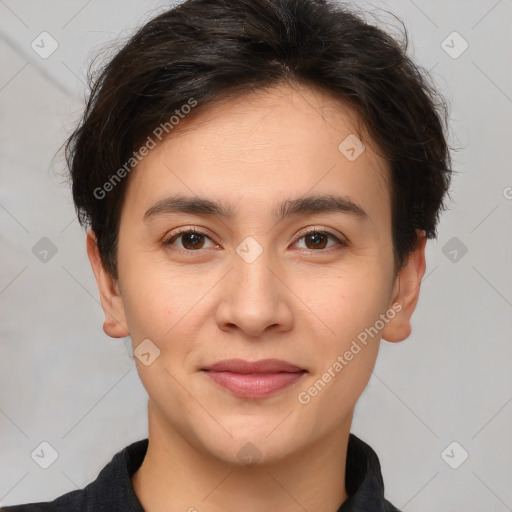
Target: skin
[[295, 302]]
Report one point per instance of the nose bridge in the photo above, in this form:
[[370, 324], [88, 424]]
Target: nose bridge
[[253, 279], [253, 299]]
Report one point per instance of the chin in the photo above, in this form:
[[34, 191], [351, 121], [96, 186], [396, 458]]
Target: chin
[[251, 444]]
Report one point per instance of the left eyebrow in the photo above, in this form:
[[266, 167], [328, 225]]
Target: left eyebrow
[[299, 206], [319, 204]]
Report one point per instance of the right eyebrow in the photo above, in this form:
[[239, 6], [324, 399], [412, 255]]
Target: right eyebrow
[[197, 205]]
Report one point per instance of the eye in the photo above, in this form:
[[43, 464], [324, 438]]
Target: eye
[[315, 239], [191, 240]]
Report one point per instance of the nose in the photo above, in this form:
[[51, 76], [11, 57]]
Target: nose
[[255, 298]]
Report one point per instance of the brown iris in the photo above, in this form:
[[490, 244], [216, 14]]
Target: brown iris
[[316, 238]]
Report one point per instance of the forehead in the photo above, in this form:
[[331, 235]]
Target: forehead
[[286, 140]]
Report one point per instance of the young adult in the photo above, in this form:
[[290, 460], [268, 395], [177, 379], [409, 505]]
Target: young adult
[[259, 179]]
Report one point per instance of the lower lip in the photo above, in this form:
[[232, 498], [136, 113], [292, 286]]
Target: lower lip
[[254, 385]]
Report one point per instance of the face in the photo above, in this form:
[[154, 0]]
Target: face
[[290, 259]]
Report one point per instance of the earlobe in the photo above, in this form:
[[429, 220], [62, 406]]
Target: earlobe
[[406, 293], [114, 324]]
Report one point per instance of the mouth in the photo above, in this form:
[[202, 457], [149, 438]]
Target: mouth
[[259, 379]]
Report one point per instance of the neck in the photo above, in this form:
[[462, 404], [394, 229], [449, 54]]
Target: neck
[[177, 476]]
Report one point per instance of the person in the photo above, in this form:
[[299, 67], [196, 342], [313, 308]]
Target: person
[[258, 180]]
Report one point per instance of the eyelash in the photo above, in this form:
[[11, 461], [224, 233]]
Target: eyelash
[[175, 235]]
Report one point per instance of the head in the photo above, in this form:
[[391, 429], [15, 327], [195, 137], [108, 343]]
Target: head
[[254, 123]]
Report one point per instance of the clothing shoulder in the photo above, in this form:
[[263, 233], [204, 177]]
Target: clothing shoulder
[[363, 480], [389, 507], [112, 491], [74, 500]]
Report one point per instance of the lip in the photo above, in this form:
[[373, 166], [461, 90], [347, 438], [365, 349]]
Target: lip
[[258, 379], [246, 367]]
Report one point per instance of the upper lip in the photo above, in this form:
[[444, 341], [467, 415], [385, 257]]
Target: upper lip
[[246, 367]]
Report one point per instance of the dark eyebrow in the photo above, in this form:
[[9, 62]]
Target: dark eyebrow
[[301, 205], [319, 204]]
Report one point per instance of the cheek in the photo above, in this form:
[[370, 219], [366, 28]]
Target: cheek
[[158, 309], [346, 301], [154, 298], [346, 352]]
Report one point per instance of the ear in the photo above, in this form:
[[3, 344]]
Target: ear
[[114, 324], [406, 292]]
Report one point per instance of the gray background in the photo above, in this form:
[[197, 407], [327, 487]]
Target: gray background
[[63, 381]]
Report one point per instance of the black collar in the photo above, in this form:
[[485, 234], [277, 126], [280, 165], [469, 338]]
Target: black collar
[[363, 480], [112, 491]]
